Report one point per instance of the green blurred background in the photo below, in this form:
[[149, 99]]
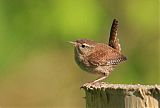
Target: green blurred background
[[37, 67]]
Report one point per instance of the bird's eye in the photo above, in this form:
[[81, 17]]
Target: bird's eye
[[83, 45]]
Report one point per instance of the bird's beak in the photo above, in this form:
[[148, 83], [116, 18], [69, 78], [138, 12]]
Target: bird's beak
[[73, 43]]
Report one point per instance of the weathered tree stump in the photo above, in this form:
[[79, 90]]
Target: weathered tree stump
[[102, 95]]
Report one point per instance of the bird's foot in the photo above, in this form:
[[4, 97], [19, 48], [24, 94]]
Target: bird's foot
[[86, 85], [95, 83], [92, 84]]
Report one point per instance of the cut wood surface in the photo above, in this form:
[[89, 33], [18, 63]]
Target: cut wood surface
[[102, 95]]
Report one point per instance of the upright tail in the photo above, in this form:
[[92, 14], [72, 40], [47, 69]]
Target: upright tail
[[113, 40]]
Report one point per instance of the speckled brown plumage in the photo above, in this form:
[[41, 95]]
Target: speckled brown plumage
[[113, 40], [105, 55], [99, 58]]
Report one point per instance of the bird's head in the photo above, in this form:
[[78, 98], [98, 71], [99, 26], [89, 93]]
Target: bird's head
[[84, 46]]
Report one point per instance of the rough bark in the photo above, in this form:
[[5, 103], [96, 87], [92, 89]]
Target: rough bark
[[102, 95]]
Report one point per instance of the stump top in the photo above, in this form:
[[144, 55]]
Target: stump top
[[102, 85]]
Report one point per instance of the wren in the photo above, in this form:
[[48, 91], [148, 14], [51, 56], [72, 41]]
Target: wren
[[99, 58]]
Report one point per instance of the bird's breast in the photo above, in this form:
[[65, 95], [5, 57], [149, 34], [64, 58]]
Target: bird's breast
[[82, 62]]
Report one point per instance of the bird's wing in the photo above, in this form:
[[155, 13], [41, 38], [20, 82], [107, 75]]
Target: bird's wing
[[113, 40], [105, 57]]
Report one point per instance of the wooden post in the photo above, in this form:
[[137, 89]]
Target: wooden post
[[102, 95]]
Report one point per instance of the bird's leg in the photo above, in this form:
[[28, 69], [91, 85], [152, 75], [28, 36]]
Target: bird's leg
[[100, 79]]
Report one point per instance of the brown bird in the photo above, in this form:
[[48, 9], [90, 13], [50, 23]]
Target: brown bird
[[99, 58]]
